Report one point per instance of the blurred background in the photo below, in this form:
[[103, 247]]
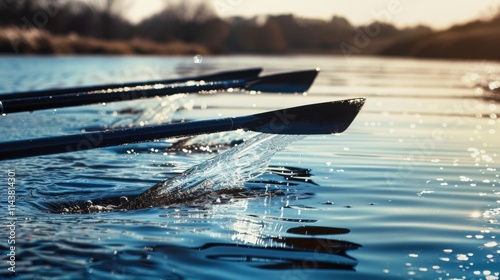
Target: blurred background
[[448, 29]]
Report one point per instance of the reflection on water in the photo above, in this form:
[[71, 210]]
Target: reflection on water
[[414, 179], [277, 243], [302, 254]]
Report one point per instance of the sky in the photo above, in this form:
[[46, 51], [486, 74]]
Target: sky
[[438, 14]]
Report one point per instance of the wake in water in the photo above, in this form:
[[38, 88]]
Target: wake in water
[[224, 172]]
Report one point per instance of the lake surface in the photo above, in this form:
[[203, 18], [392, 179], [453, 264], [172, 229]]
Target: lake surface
[[409, 191]]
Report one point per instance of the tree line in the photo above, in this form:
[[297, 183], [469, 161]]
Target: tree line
[[194, 23], [198, 23]]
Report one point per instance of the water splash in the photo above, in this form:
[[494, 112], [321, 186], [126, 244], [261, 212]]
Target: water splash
[[225, 172], [161, 113]]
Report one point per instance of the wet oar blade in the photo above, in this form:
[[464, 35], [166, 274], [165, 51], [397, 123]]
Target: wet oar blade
[[293, 82], [322, 118]]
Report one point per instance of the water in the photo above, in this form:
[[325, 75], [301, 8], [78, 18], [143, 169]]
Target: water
[[409, 191]]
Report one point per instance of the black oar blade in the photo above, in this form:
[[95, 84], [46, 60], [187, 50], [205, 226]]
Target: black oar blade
[[322, 118], [292, 82]]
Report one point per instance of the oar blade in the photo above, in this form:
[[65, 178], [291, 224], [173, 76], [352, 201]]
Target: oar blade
[[323, 118], [291, 82]]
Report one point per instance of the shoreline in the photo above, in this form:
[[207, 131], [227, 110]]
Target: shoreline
[[15, 41], [38, 42]]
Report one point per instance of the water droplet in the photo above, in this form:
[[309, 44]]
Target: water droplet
[[462, 257], [198, 58], [123, 200], [490, 244]]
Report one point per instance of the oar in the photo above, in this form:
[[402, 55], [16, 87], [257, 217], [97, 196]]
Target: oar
[[322, 118], [219, 76], [298, 81]]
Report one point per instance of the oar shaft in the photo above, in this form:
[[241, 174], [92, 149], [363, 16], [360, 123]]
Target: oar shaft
[[92, 140], [297, 81], [87, 98], [219, 76], [321, 118]]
